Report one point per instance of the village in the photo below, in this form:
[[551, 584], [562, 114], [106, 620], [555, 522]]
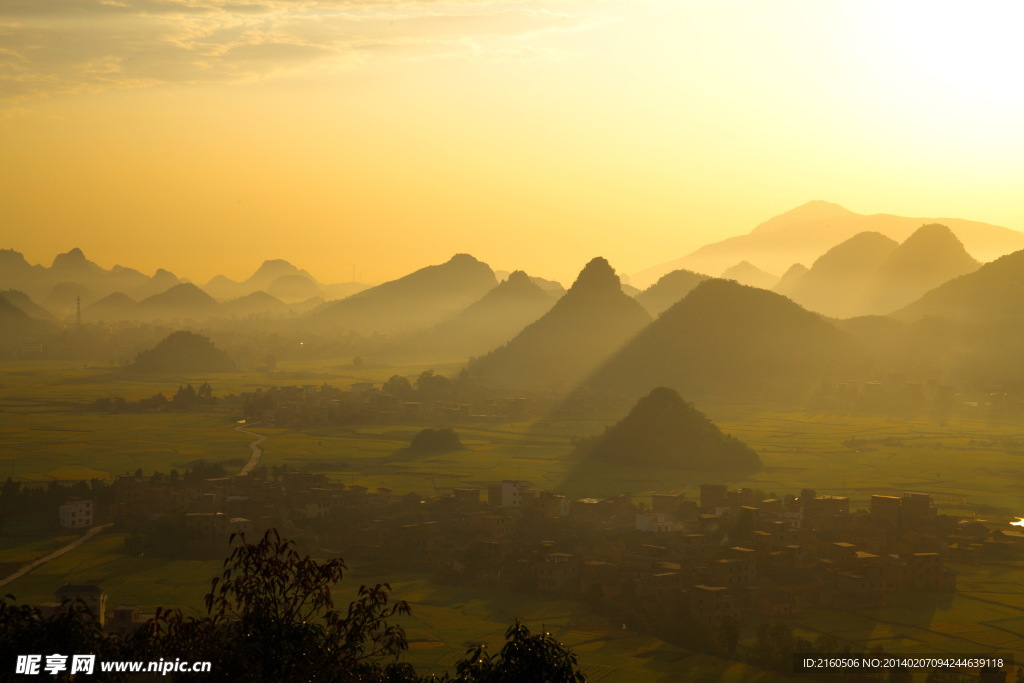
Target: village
[[712, 559]]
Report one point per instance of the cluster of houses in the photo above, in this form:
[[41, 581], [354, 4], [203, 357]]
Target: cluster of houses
[[714, 558], [726, 553]]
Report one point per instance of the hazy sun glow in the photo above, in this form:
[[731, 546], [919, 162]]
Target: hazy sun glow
[[386, 135], [959, 61]]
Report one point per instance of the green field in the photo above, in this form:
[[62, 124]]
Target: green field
[[985, 615], [971, 466], [925, 623], [445, 621], [128, 579], [21, 543]]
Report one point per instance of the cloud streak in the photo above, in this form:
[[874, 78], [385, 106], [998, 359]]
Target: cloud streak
[[54, 47]]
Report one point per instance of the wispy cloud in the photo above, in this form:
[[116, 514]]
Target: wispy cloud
[[71, 46]]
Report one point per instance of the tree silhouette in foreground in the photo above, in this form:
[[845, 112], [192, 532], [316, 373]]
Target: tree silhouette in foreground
[[539, 658], [271, 617]]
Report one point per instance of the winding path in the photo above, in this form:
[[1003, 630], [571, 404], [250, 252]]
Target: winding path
[[257, 452], [254, 460], [55, 554]]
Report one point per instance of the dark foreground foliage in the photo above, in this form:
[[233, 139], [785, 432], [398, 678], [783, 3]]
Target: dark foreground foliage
[[524, 657], [270, 617]]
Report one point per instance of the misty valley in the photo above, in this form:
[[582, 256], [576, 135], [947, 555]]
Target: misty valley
[[804, 439]]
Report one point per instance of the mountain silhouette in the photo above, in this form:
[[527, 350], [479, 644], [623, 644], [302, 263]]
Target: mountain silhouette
[[584, 327], [929, 257], [259, 304], [19, 337], [663, 430], [837, 281], [122, 279], [182, 352], [263, 280], [116, 306], [73, 264], [12, 317], [668, 290], [293, 288], [747, 273], [64, 297], [223, 288], [870, 274], [271, 270], [75, 274], [806, 232], [552, 287], [493, 320], [307, 306], [74, 268], [16, 272], [993, 292], [728, 341], [790, 279], [180, 302], [161, 281], [25, 304], [417, 300]]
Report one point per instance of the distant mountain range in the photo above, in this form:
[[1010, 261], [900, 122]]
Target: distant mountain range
[[120, 293], [727, 339], [836, 282], [707, 338], [806, 232], [25, 304], [747, 273], [589, 323], [283, 281], [493, 320], [668, 290], [870, 274], [72, 277], [993, 292], [418, 300]]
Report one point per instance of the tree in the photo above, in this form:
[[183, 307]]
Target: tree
[[538, 658], [431, 387], [399, 387], [435, 441], [73, 629], [271, 617]]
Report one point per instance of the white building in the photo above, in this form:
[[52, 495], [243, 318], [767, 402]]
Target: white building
[[76, 514], [509, 493]]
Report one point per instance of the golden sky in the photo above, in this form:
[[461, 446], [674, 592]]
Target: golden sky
[[204, 136]]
